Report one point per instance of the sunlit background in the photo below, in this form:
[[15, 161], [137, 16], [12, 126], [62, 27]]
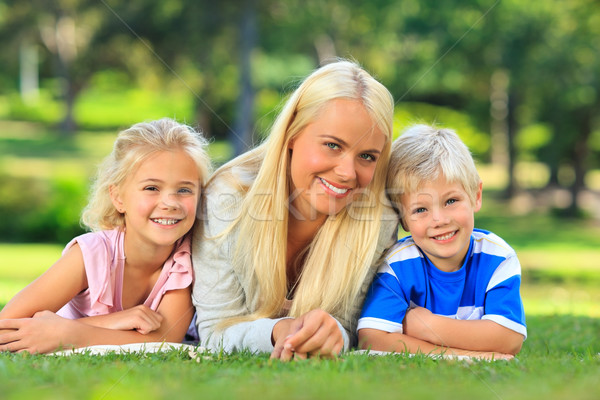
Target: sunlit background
[[519, 81]]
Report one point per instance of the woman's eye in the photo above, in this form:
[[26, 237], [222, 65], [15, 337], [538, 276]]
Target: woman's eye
[[368, 157], [333, 146]]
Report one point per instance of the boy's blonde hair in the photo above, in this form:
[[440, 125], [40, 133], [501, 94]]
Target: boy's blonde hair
[[131, 148], [338, 258], [421, 153]]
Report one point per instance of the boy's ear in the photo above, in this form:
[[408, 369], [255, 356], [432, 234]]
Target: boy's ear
[[478, 198], [116, 198]]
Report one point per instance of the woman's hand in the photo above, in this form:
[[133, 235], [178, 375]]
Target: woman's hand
[[139, 318], [43, 333], [315, 333]]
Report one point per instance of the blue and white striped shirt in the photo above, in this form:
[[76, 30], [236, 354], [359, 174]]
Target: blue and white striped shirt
[[485, 287]]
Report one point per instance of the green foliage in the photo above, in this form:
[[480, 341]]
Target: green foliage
[[35, 210], [408, 113]]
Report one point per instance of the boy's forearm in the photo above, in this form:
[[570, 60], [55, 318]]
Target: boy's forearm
[[374, 339], [478, 335]]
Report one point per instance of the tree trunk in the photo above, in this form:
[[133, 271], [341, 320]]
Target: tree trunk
[[511, 131], [580, 153], [242, 134]]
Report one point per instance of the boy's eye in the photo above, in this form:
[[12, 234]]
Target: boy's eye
[[419, 210], [368, 157], [451, 201], [333, 146]]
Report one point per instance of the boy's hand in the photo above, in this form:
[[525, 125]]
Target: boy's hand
[[417, 323]]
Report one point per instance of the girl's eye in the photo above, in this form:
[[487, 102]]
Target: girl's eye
[[419, 210], [151, 188], [185, 191], [333, 146], [368, 157]]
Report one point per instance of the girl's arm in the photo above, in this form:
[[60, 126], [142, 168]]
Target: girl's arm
[[479, 335], [46, 331], [52, 290], [374, 339]]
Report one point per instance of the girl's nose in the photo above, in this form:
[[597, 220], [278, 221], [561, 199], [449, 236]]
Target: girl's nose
[[169, 200]]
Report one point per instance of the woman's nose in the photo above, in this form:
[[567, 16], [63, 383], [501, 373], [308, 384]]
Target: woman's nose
[[346, 168]]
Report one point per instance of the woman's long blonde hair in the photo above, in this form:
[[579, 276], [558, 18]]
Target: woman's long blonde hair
[[132, 147], [338, 259]]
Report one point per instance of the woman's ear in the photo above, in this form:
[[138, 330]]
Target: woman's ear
[[116, 198]]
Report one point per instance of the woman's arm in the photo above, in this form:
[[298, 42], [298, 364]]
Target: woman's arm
[[374, 339], [46, 331], [479, 335]]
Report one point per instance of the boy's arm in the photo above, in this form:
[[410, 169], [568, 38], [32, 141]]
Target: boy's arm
[[479, 335], [375, 339]]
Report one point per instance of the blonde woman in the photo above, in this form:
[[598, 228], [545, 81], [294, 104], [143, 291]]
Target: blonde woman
[[293, 228]]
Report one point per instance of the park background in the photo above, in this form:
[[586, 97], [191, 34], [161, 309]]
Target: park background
[[519, 81]]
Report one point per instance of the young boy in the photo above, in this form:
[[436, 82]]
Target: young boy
[[447, 288]]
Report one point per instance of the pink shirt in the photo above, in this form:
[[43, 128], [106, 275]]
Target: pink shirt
[[104, 260]]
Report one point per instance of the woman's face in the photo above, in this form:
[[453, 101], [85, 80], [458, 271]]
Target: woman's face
[[332, 158]]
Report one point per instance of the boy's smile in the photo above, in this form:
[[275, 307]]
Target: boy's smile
[[440, 218]]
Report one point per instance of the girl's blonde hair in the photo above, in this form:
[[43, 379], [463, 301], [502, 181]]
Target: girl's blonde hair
[[421, 153], [339, 257], [131, 148]]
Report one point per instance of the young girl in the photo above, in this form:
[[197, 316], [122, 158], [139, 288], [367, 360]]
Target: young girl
[[130, 279], [293, 228]]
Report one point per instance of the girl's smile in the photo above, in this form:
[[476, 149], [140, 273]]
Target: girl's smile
[[159, 200]]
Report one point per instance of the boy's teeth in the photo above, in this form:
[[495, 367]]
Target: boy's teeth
[[335, 189], [164, 221], [445, 237]]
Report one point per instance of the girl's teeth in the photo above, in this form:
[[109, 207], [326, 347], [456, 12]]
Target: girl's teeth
[[333, 188], [164, 221]]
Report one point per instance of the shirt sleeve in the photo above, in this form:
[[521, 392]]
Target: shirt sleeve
[[503, 303], [218, 293], [386, 304]]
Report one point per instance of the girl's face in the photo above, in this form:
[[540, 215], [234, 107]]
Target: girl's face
[[159, 199], [332, 158]]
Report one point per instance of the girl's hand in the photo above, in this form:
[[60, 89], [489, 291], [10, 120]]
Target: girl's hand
[[139, 318], [43, 333], [315, 333]]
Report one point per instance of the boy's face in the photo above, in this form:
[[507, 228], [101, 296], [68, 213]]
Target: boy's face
[[440, 217]]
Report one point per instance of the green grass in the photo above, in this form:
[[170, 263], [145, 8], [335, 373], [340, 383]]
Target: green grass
[[559, 361]]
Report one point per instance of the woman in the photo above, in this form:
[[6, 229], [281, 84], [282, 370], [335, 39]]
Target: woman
[[293, 228]]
